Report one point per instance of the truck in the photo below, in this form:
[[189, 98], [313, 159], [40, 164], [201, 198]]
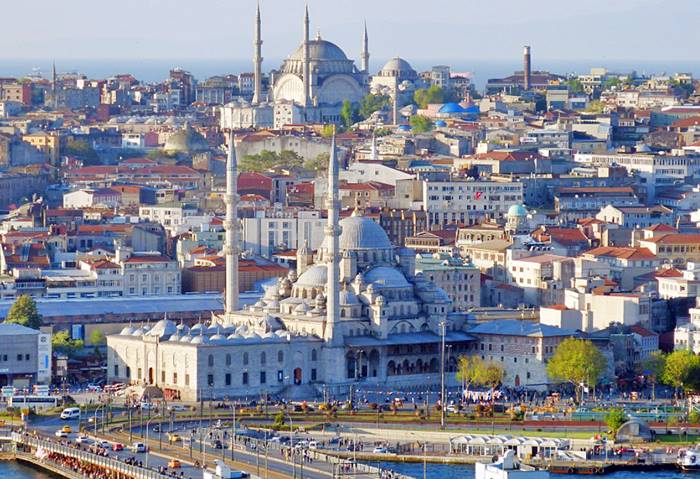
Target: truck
[[224, 472]]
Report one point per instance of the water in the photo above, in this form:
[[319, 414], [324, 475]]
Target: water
[[459, 471], [14, 470]]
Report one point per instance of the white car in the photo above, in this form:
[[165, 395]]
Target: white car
[[138, 447], [82, 439], [178, 407], [61, 433], [104, 444], [380, 450]]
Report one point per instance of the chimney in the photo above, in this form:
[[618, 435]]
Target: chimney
[[526, 67]]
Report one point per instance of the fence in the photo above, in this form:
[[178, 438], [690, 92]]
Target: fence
[[112, 464]]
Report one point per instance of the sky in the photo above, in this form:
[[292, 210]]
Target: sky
[[416, 30]]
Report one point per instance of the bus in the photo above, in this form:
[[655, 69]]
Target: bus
[[33, 401]]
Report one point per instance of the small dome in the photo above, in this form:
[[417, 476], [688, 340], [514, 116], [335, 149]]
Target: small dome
[[183, 328], [399, 68], [316, 275], [302, 308], [127, 331], [451, 108], [196, 328], [186, 339], [517, 210], [441, 123], [386, 277], [404, 128], [348, 298], [187, 140], [164, 327], [200, 340], [139, 331]]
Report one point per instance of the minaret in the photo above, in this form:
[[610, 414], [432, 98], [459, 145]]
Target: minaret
[[231, 226], [365, 51], [257, 59], [373, 152], [54, 89], [307, 61], [333, 243], [395, 106]]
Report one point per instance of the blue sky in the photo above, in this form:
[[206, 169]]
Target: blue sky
[[417, 30]]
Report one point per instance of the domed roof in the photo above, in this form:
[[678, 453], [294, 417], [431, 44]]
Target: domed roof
[[186, 140], [451, 108], [386, 277], [320, 49], [127, 331], [441, 123], [348, 298], [164, 327], [398, 67], [316, 275], [517, 210], [361, 233]]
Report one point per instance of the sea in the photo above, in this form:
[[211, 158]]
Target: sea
[[151, 71], [15, 470]]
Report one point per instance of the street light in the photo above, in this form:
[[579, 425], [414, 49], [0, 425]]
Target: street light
[[443, 326], [291, 446], [148, 423]]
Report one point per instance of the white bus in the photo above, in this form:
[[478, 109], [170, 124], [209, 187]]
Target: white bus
[[33, 401]]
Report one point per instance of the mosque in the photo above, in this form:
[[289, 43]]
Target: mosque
[[309, 87], [354, 313]]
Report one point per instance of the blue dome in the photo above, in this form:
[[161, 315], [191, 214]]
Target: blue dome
[[517, 210], [451, 108], [404, 127], [472, 110], [441, 123]]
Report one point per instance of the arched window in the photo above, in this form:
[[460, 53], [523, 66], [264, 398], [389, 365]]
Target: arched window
[[280, 356], [228, 360], [314, 355], [245, 359], [263, 358], [210, 360]]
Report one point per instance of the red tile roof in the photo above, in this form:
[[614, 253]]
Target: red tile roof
[[675, 238], [622, 252]]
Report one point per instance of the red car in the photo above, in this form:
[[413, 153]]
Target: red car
[[117, 447]]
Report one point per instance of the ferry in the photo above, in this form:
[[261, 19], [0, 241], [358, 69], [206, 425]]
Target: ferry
[[689, 459], [506, 467]]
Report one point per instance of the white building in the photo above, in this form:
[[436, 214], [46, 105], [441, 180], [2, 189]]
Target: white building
[[272, 230], [687, 336], [177, 218]]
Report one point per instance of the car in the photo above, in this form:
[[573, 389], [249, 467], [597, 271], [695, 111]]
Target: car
[[138, 447], [103, 444], [70, 413], [172, 437], [94, 387], [218, 445], [380, 450], [276, 440], [174, 464], [147, 406], [313, 445], [117, 446], [67, 429], [453, 409], [82, 439], [61, 433], [178, 407]]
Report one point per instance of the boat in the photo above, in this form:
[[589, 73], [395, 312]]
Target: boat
[[689, 459], [507, 467]]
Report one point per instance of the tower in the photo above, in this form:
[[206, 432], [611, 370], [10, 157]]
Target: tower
[[526, 67], [257, 58], [306, 66], [333, 242], [231, 227], [365, 51]]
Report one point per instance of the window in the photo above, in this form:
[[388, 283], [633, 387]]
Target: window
[[228, 360], [280, 356], [210, 360], [187, 379], [162, 376], [245, 379], [19, 357], [227, 379], [140, 374], [280, 375], [263, 358], [116, 370], [210, 379], [245, 359], [314, 355], [263, 377], [313, 374], [174, 378]]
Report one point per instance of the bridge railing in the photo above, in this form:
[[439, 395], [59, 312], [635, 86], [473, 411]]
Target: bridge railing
[[106, 462]]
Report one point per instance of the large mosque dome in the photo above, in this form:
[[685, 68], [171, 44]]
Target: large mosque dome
[[399, 68], [324, 58], [186, 140], [361, 233]]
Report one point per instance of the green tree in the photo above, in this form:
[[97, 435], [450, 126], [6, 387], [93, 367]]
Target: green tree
[[327, 131], [421, 124], [97, 338], [595, 106], [653, 368], [24, 312], [82, 150], [371, 103], [468, 368], [578, 362], [424, 97], [681, 370], [348, 113], [290, 159], [318, 163], [575, 86], [615, 418], [62, 343]]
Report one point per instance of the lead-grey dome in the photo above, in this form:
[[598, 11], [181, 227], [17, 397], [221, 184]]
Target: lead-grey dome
[[386, 277], [361, 233], [316, 275], [399, 68], [186, 140], [324, 57], [163, 328]]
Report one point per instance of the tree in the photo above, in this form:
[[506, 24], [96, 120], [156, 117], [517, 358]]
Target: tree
[[327, 131], [318, 163], [82, 150], [348, 113], [474, 370], [424, 97], [290, 159], [681, 370], [577, 361], [653, 369], [97, 338], [24, 312], [575, 86], [595, 106], [421, 124], [371, 103], [62, 343], [615, 418]]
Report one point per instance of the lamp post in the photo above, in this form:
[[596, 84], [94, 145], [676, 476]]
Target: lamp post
[[291, 446], [233, 429], [148, 423], [94, 417]]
